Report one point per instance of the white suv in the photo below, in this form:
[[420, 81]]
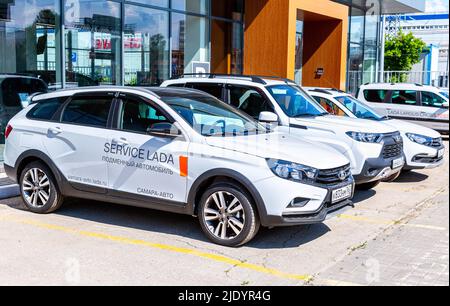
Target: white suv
[[423, 147], [375, 150], [424, 105], [176, 150]]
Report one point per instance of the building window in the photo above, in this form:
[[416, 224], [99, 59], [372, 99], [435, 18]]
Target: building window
[[93, 42], [192, 6], [146, 46], [190, 44], [31, 41]]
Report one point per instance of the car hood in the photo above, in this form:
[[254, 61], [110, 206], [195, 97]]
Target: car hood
[[407, 127], [282, 146], [348, 124]]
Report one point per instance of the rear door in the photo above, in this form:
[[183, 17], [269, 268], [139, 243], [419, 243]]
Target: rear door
[[76, 141], [434, 113], [142, 164], [405, 104]]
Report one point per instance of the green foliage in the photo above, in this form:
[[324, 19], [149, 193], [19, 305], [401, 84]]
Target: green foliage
[[402, 52]]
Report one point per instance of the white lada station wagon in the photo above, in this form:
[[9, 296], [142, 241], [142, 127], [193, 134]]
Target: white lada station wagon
[[177, 150]]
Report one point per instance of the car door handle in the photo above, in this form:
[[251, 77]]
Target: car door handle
[[120, 141], [55, 130]]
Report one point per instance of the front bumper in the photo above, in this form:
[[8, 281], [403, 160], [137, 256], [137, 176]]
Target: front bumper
[[422, 157], [303, 217], [382, 167]]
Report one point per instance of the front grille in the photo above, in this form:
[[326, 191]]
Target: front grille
[[333, 176], [393, 150]]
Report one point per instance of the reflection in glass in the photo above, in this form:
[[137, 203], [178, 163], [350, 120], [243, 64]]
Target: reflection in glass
[[146, 46], [226, 47], [193, 6], [92, 38], [190, 43], [30, 37]]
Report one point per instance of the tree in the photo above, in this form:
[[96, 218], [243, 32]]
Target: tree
[[402, 51]]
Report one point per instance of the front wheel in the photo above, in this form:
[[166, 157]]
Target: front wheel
[[368, 186], [227, 215], [39, 190]]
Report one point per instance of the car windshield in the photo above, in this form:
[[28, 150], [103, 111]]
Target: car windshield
[[445, 94], [211, 117], [295, 102], [359, 109]]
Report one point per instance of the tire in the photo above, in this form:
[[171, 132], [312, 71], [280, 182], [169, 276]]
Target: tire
[[392, 178], [368, 186], [43, 197], [240, 226]]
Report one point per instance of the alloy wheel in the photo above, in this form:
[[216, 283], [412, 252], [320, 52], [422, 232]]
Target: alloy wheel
[[36, 188], [224, 215]]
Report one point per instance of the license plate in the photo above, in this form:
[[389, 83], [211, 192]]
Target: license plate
[[441, 153], [397, 163], [342, 194]]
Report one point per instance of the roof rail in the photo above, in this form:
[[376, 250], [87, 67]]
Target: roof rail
[[254, 78]]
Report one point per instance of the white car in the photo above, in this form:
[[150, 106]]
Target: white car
[[424, 105], [423, 147], [176, 150], [375, 151]]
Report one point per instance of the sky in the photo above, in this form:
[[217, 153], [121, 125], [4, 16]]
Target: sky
[[436, 6]]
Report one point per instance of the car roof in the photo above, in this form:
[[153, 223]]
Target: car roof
[[391, 86], [157, 92], [326, 91], [215, 78], [19, 76]]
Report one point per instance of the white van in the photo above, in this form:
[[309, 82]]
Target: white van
[[424, 105]]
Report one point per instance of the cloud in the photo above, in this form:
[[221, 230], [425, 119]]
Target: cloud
[[433, 6]]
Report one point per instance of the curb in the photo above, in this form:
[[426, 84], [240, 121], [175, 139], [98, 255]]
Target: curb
[[9, 191]]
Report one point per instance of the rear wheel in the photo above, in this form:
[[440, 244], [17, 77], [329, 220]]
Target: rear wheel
[[227, 216], [368, 186], [39, 190]]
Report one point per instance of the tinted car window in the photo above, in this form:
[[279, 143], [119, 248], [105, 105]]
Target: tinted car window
[[138, 116], [92, 111], [431, 99], [213, 89], [249, 100], [375, 95], [45, 109], [330, 107], [405, 97], [16, 91]]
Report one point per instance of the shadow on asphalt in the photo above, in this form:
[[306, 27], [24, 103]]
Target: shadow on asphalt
[[174, 224], [362, 195], [411, 177]]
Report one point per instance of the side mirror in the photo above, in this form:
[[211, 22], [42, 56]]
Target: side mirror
[[165, 130], [268, 117]]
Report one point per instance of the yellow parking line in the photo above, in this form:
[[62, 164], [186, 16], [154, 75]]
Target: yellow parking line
[[389, 222], [130, 241]]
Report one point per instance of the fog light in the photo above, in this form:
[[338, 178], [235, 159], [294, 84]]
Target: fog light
[[298, 203]]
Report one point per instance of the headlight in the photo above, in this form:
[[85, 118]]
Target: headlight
[[292, 171], [366, 137], [420, 139]]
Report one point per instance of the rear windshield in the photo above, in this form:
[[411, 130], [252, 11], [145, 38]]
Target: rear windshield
[[15, 91]]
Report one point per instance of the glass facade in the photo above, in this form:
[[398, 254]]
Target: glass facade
[[115, 42], [363, 43], [119, 42]]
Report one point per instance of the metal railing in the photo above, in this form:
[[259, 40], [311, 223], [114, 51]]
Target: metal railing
[[433, 78]]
